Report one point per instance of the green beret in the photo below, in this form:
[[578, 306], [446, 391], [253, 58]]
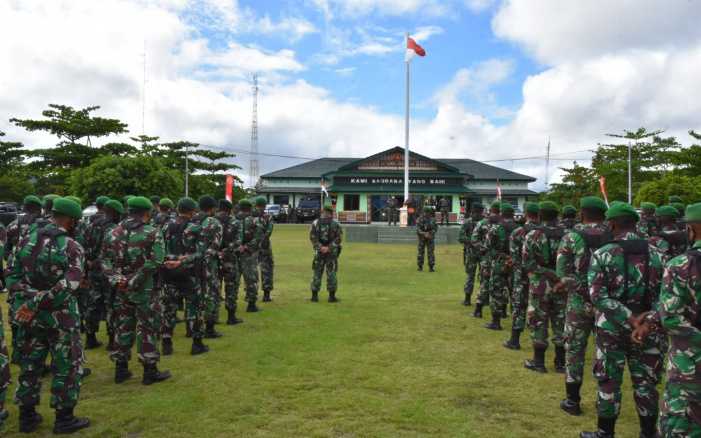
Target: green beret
[[206, 202], [593, 202], [245, 203], [667, 210], [532, 208], [693, 214], [569, 209], [428, 209], [327, 206], [679, 206], [48, 199], [126, 199], [75, 199], [549, 206], [261, 201], [507, 208], [225, 204], [166, 202], [496, 205], [139, 203], [114, 205], [673, 199], [31, 199], [67, 207], [155, 199], [648, 206], [621, 209], [187, 204], [477, 206], [101, 200]]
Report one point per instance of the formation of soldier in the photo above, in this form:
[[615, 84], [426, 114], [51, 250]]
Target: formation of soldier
[[133, 265], [632, 281]]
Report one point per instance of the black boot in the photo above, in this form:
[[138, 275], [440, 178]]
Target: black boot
[[332, 297], [66, 422], [315, 297], [198, 347], [167, 346], [121, 372], [478, 311], [571, 403], [29, 419], [420, 268], [152, 375], [515, 342], [188, 329], [231, 319], [648, 426], [496, 322], [607, 427], [431, 268], [91, 341], [537, 364], [210, 332], [266, 297], [110, 341], [467, 301], [252, 308], [560, 360]]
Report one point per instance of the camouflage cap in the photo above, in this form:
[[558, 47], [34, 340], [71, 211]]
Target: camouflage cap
[[549, 206], [569, 209], [206, 202], [32, 200], [245, 204], [101, 200], [67, 207], [593, 202], [693, 214], [667, 210], [679, 206], [261, 201], [532, 208], [225, 204], [166, 202], [507, 208], [76, 200], [674, 198], [187, 204], [621, 209], [115, 205], [648, 206]]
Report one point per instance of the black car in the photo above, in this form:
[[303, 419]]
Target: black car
[[308, 209], [8, 212]]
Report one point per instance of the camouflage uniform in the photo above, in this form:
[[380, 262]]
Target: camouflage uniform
[[250, 235], [209, 244], [134, 252], [680, 315], [647, 227], [568, 223], [613, 306], [426, 224], [4, 370], [497, 242], [45, 276], [231, 229], [93, 300], [469, 256], [478, 239], [519, 294], [670, 242], [265, 254], [18, 229], [325, 232]]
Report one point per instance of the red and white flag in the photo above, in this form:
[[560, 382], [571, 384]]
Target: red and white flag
[[229, 190], [498, 190], [413, 49], [602, 186]]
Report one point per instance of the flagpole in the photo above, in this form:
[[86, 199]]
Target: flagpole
[[406, 129]]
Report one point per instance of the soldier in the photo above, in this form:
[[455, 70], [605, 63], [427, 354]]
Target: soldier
[[326, 236], [624, 282], [647, 226], [392, 210], [669, 241], [479, 235], [4, 357], [113, 214], [545, 307], [679, 205], [519, 294], [22, 226], [444, 206], [209, 245], [569, 217], [265, 253], [134, 251], [44, 279], [573, 259], [165, 214], [470, 257], [229, 262], [93, 305], [248, 244], [48, 203], [497, 242], [426, 229], [680, 313]]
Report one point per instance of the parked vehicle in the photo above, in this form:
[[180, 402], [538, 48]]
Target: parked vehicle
[[276, 212], [308, 209], [8, 212], [89, 211]]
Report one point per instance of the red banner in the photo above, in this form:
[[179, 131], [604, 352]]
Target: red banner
[[229, 190], [602, 186]]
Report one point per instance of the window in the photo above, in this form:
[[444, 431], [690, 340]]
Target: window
[[351, 202], [281, 199]]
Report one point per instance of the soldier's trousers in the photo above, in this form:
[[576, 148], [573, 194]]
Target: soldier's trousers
[[485, 273], [613, 350], [680, 415], [212, 298], [519, 299], [428, 247], [169, 301], [579, 324], [444, 216], [471, 264], [497, 286], [248, 268], [136, 321], [34, 345], [4, 365], [321, 263], [94, 303], [231, 280], [194, 309], [545, 308], [267, 265]]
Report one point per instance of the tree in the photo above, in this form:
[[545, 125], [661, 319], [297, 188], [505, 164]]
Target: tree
[[14, 187], [659, 190], [687, 161], [576, 182], [12, 155]]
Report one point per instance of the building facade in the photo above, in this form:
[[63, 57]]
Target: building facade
[[361, 187]]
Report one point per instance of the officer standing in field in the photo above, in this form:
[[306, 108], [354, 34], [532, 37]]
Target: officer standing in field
[[573, 258], [247, 245], [426, 229], [326, 236], [479, 235], [444, 206], [624, 283], [44, 279], [392, 212], [497, 242], [231, 228], [519, 294], [113, 212], [209, 246], [94, 306], [265, 253], [469, 253], [647, 226], [134, 252]]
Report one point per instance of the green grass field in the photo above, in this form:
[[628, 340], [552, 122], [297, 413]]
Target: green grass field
[[399, 356]]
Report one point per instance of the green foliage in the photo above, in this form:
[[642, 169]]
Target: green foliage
[[576, 182], [14, 187], [659, 190], [12, 155]]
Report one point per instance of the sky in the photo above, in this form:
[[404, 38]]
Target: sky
[[500, 78]]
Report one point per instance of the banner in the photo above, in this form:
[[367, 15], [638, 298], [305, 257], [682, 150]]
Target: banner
[[602, 186], [229, 190]]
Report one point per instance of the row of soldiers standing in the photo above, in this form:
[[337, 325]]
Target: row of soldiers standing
[[632, 281]]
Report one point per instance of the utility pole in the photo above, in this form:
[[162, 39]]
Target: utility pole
[[187, 172], [630, 173], [253, 166], [143, 96], [547, 166]]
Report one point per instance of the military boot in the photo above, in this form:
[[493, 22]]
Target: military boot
[[431, 268], [29, 419], [537, 364], [210, 332], [91, 341], [648, 426], [560, 360], [315, 297], [121, 371], [515, 342], [198, 347], [478, 311], [332, 297], [467, 301], [231, 318], [110, 341], [266, 297], [252, 307], [188, 329], [67, 423], [152, 375], [607, 427], [496, 322], [420, 268], [571, 403], [167, 346]]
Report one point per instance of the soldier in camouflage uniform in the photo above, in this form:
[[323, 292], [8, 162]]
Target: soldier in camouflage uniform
[[228, 260], [519, 295], [545, 307], [326, 236], [93, 306], [247, 245], [680, 316], [43, 279], [647, 226], [265, 253], [22, 226], [209, 245], [624, 282], [569, 217], [469, 254], [573, 259], [497, 242], [669, 241], [4, 357], [134, 251], [479, 235], [426, 229], [113, 212], [165, 214], [47, 204]]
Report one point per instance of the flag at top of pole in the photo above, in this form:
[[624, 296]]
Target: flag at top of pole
[[413, 49]]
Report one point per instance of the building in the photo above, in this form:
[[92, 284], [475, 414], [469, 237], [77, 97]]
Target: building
[[361, 187]]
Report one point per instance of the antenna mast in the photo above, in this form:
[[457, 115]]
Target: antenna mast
[[547, 166], [253, 167], [143, 96]]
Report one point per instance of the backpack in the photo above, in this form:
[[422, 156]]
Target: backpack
[[30, 261], [636, 248], [180, 277], [553, 235]]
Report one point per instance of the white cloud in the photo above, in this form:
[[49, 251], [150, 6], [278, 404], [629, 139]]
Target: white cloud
[[425, 32], [346, 71], [294, 27], [356, 8], [479, 5]]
